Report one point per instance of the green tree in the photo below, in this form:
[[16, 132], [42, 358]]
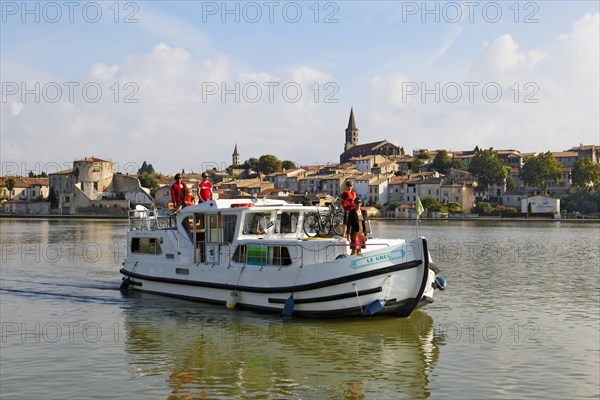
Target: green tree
[[423, 155], [146, 168], [583, 201], [511, 183], [415, 164], [150, 180], [585, 172], [538, 171], [287, 164], [488, 168], [483, 207], [251, 163], [460, 165], [442, 162], [10, 184], [431, 204], [267, 164], [31, 174]]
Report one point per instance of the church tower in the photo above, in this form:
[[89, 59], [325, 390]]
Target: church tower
[[351, 132], [235, 157]]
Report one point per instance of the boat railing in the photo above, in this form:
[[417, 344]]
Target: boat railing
[[142, 219], [272, 254]]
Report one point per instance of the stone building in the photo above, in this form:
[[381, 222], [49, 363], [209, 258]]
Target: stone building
[[93, 187], [352, 148]]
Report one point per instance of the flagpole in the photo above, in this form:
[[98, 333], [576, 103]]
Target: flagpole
[[419, 211]]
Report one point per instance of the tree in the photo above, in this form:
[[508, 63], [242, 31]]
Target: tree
[[146, 168], [287, 164], [585, 172], [31, 174], [10, 185], [431, 204], [423, 155], [267, 164], [583, 201], [251, 163], [538, 171], [150, 181], [511, 183], [442, 162], [460, 165], [483, 207], [415, 164], [488, 168]]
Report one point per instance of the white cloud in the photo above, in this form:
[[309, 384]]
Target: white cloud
[[176, 123], [550, 97]]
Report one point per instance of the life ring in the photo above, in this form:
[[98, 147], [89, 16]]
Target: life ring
[[242, 205]]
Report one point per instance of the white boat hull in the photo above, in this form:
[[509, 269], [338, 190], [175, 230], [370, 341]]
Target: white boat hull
[[275, 271], [343, 287]]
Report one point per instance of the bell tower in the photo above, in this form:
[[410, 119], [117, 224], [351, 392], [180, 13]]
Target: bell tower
[[235, 157], [351, 132]]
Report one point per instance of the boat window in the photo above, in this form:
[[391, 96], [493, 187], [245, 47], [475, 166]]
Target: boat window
[[145, 245], [188, 225], [279, 255], [229, 222], [262, 255], [287, 222], [257, 223]]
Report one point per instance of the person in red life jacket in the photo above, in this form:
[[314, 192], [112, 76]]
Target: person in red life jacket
[[178, 191], [204, 189], [189, 199], [357, 228], [348, 197]]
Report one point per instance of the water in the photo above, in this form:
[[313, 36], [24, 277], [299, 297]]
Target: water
[[520, 319]]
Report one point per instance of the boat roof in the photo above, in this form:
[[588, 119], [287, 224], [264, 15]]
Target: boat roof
[[225, 204]]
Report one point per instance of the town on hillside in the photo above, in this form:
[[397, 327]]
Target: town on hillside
[[449, 183]]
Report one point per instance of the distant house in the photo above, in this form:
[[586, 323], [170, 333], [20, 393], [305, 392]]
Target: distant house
[[540, 204]]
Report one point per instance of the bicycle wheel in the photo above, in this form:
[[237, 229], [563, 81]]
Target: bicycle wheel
[[311, 225], [337, 222]]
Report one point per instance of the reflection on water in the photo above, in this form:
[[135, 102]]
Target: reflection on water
[[520, 319], [216, 354]]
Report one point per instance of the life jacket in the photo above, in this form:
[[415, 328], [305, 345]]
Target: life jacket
[[348, 197]]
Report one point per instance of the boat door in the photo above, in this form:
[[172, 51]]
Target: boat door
[[213, 238], [199, 237]]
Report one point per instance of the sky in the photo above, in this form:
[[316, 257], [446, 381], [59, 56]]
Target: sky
[[179, 84]]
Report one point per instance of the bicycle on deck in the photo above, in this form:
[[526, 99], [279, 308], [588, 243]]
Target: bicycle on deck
[[325, 223]]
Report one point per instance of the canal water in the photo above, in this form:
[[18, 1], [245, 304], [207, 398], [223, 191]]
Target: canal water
[[520, 319]]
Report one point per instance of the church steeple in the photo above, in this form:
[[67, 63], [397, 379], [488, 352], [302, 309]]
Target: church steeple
[[351, 132], [235, 157]]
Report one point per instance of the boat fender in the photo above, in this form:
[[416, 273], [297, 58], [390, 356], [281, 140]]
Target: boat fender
[[288, 308], [375, 306], [125, 284], [232, 301], [440, 283]]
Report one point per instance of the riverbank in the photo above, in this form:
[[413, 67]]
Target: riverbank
[[55, 216], [495, 219]]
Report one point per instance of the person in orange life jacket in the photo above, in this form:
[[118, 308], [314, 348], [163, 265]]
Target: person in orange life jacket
[[348, 197], [204, 189], [178, 191], [190, 199], [357, 228]]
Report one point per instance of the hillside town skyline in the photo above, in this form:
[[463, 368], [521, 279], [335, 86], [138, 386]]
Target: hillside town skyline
[[383, 173]]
